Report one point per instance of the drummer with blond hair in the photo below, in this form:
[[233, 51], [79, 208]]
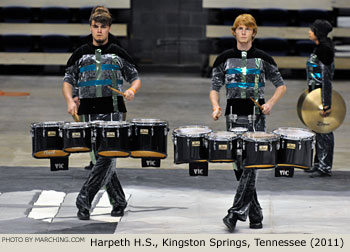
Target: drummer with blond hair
[[243, 70]]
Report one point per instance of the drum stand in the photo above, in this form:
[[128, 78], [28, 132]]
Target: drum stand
[[150, 162], [198, 168], [284, 171], [59, 163]]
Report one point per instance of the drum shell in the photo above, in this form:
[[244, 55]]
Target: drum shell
[[113, 141], [47, 142], [189, 149], [78, 139], [295, 152], [260, 154], [149, 141], [221, 151]]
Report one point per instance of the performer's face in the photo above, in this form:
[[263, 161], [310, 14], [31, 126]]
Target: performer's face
[[312, 35], [99, 33], [244, 34]]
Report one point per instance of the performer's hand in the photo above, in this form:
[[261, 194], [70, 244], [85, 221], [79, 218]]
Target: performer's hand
[[326, 111], [266, 108], [216, 113], [77, 101], [72, 108], [129, 94]]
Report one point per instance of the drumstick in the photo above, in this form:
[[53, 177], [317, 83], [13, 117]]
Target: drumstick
[[256, 103], [116, 90], [76, 117]]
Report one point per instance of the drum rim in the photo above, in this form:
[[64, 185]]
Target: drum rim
[[221, 138], [109, 124], [246, 129], [76, 125], [148, 122], [312, 134], [48, 124], [275, 137], [177, 133]]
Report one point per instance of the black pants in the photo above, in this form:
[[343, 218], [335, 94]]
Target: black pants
[[103, 173], [324, 152], [246, 201]]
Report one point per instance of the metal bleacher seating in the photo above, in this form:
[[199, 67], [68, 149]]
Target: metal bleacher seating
[[45, 32], [288, 27]]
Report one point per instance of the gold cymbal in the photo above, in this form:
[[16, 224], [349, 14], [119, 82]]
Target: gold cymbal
[[310, 107]]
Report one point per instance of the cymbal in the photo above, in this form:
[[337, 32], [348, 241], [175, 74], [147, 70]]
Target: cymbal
[[310, 108]]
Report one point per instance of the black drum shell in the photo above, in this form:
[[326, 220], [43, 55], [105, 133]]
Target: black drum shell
[[290, 154], [189, 149], [218, 154], [149, 141], [50, 145], [114, 140], [78, 143], [261, 158]]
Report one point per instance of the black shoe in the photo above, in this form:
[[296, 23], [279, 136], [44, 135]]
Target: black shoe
[[312, 169], [117, 211], [89, 167], [83, 214], [255, 225], [318, 174], [230, 221]]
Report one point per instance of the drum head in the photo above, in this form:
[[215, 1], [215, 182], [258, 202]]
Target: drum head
[[239, 130], [294, 133], [222, 135], [148, 121], [192, 131], [260, 136], [112, 124], [76, 125]]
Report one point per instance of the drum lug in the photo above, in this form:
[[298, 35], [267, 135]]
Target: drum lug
[[129, 131], [166, 130], [206, 143], [66, 134], [230, 145], [103, 133], [188, 142], [32, 132], [300, 145], [270, 145], [282, 144], [135, 131], [256, 147], [152, 131], [44, 132], [214, 146], [278, 146], [117, 133], [243, 145], [83, 133], [175, 140]]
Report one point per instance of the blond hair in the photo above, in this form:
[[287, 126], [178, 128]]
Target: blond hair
[[247, 20]]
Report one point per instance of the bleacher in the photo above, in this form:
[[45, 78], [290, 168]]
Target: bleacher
[[282, 28], [46, 32]]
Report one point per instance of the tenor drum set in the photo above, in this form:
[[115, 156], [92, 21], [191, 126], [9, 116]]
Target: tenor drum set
[[282, 147], [140, 138]]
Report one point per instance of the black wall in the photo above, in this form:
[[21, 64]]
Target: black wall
[[167, 32]]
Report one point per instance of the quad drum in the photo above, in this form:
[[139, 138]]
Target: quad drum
[[297, 146], [222, 146], [47, 140], [113, 138], [189, 144], [77, 137], [149, 138], [260, 149]]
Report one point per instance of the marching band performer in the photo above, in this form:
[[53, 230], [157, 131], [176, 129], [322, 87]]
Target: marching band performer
[[243, 70], [320, 71], [92, 68]]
